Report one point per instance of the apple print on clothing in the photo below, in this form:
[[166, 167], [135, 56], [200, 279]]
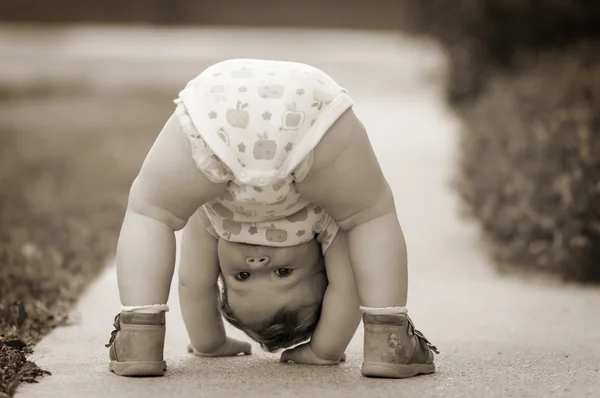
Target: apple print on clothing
[[321, 98], [264, 149], [271, 91], [266, 115], [253, 230], [292, 119], [218, 91], [242, 147], [300, 91], [280, 201], [289, 147], [221, 210], [318, 210], [275, 235], [300, 215], [300, 233], [232, 227], [244, 73], [324, 237], [223, 135], [212, 115], [238, 117], [242, 89], [246, 213]]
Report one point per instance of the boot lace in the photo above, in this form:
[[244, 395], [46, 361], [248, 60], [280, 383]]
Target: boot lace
[[113, 334]]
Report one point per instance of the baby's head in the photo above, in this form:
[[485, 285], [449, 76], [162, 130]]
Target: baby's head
[[273, 294]]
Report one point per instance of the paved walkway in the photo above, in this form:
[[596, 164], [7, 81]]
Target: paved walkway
[[499, 336]]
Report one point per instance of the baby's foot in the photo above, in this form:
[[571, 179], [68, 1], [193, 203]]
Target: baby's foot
[[136, 345], [393, 348]]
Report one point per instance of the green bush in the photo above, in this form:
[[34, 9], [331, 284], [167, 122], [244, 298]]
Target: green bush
[[524, 76], [484, 35], [530, 164]]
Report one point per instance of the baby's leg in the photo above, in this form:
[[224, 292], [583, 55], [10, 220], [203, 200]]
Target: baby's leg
[[347, 181], [166, 192], [198, 288]]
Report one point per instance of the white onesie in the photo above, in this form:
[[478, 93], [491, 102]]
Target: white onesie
[[255, 124]]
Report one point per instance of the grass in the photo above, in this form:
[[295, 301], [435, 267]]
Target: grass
[[67, 159]]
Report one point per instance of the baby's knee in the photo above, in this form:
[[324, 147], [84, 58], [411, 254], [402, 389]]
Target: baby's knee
[[383, 206], [140, 204]]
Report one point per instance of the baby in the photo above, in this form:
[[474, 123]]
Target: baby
[[258, 159], [273, 294]]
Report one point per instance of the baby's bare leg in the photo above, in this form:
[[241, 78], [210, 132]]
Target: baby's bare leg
[[347, 181], [198, 288], [167, 191]]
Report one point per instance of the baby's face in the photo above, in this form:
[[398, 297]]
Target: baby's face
[[261, 280]]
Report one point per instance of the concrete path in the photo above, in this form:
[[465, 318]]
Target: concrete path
[[499, 336]]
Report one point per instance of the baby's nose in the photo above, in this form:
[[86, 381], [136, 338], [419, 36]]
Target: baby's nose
[[258, 261]]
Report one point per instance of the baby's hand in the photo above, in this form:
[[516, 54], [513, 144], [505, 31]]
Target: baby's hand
[[232, 347], [303, 354]]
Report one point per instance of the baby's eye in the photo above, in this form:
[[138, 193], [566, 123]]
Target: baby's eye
[[242, 276], [283, 272]]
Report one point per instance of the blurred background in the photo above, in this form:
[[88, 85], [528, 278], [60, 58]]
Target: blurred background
[[85, 87]]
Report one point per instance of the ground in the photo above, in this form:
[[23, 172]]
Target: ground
[[499, 335]]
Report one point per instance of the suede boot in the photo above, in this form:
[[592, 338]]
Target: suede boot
[[136, 345], [393, 348]]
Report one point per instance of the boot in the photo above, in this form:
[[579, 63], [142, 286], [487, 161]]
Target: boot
[[136, 345], [393, 348]]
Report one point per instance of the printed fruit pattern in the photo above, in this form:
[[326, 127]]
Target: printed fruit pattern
[[324, 237], [218, 91], [223, 135], [280, 201], [244, 73], [245, 213], [231, 228], [264, 149], [271, 91], [300, 215], [275, 235], [292, 119], [238, 117], [221, 210], [321, 98]]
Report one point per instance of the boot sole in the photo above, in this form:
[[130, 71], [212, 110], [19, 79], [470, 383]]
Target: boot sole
[[394, 371], [138, 368]]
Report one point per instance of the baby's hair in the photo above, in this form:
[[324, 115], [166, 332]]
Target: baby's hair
[[285, 329]]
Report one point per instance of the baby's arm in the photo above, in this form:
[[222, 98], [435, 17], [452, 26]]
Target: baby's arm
[[199, 293], [340, 312], [167, 191]]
